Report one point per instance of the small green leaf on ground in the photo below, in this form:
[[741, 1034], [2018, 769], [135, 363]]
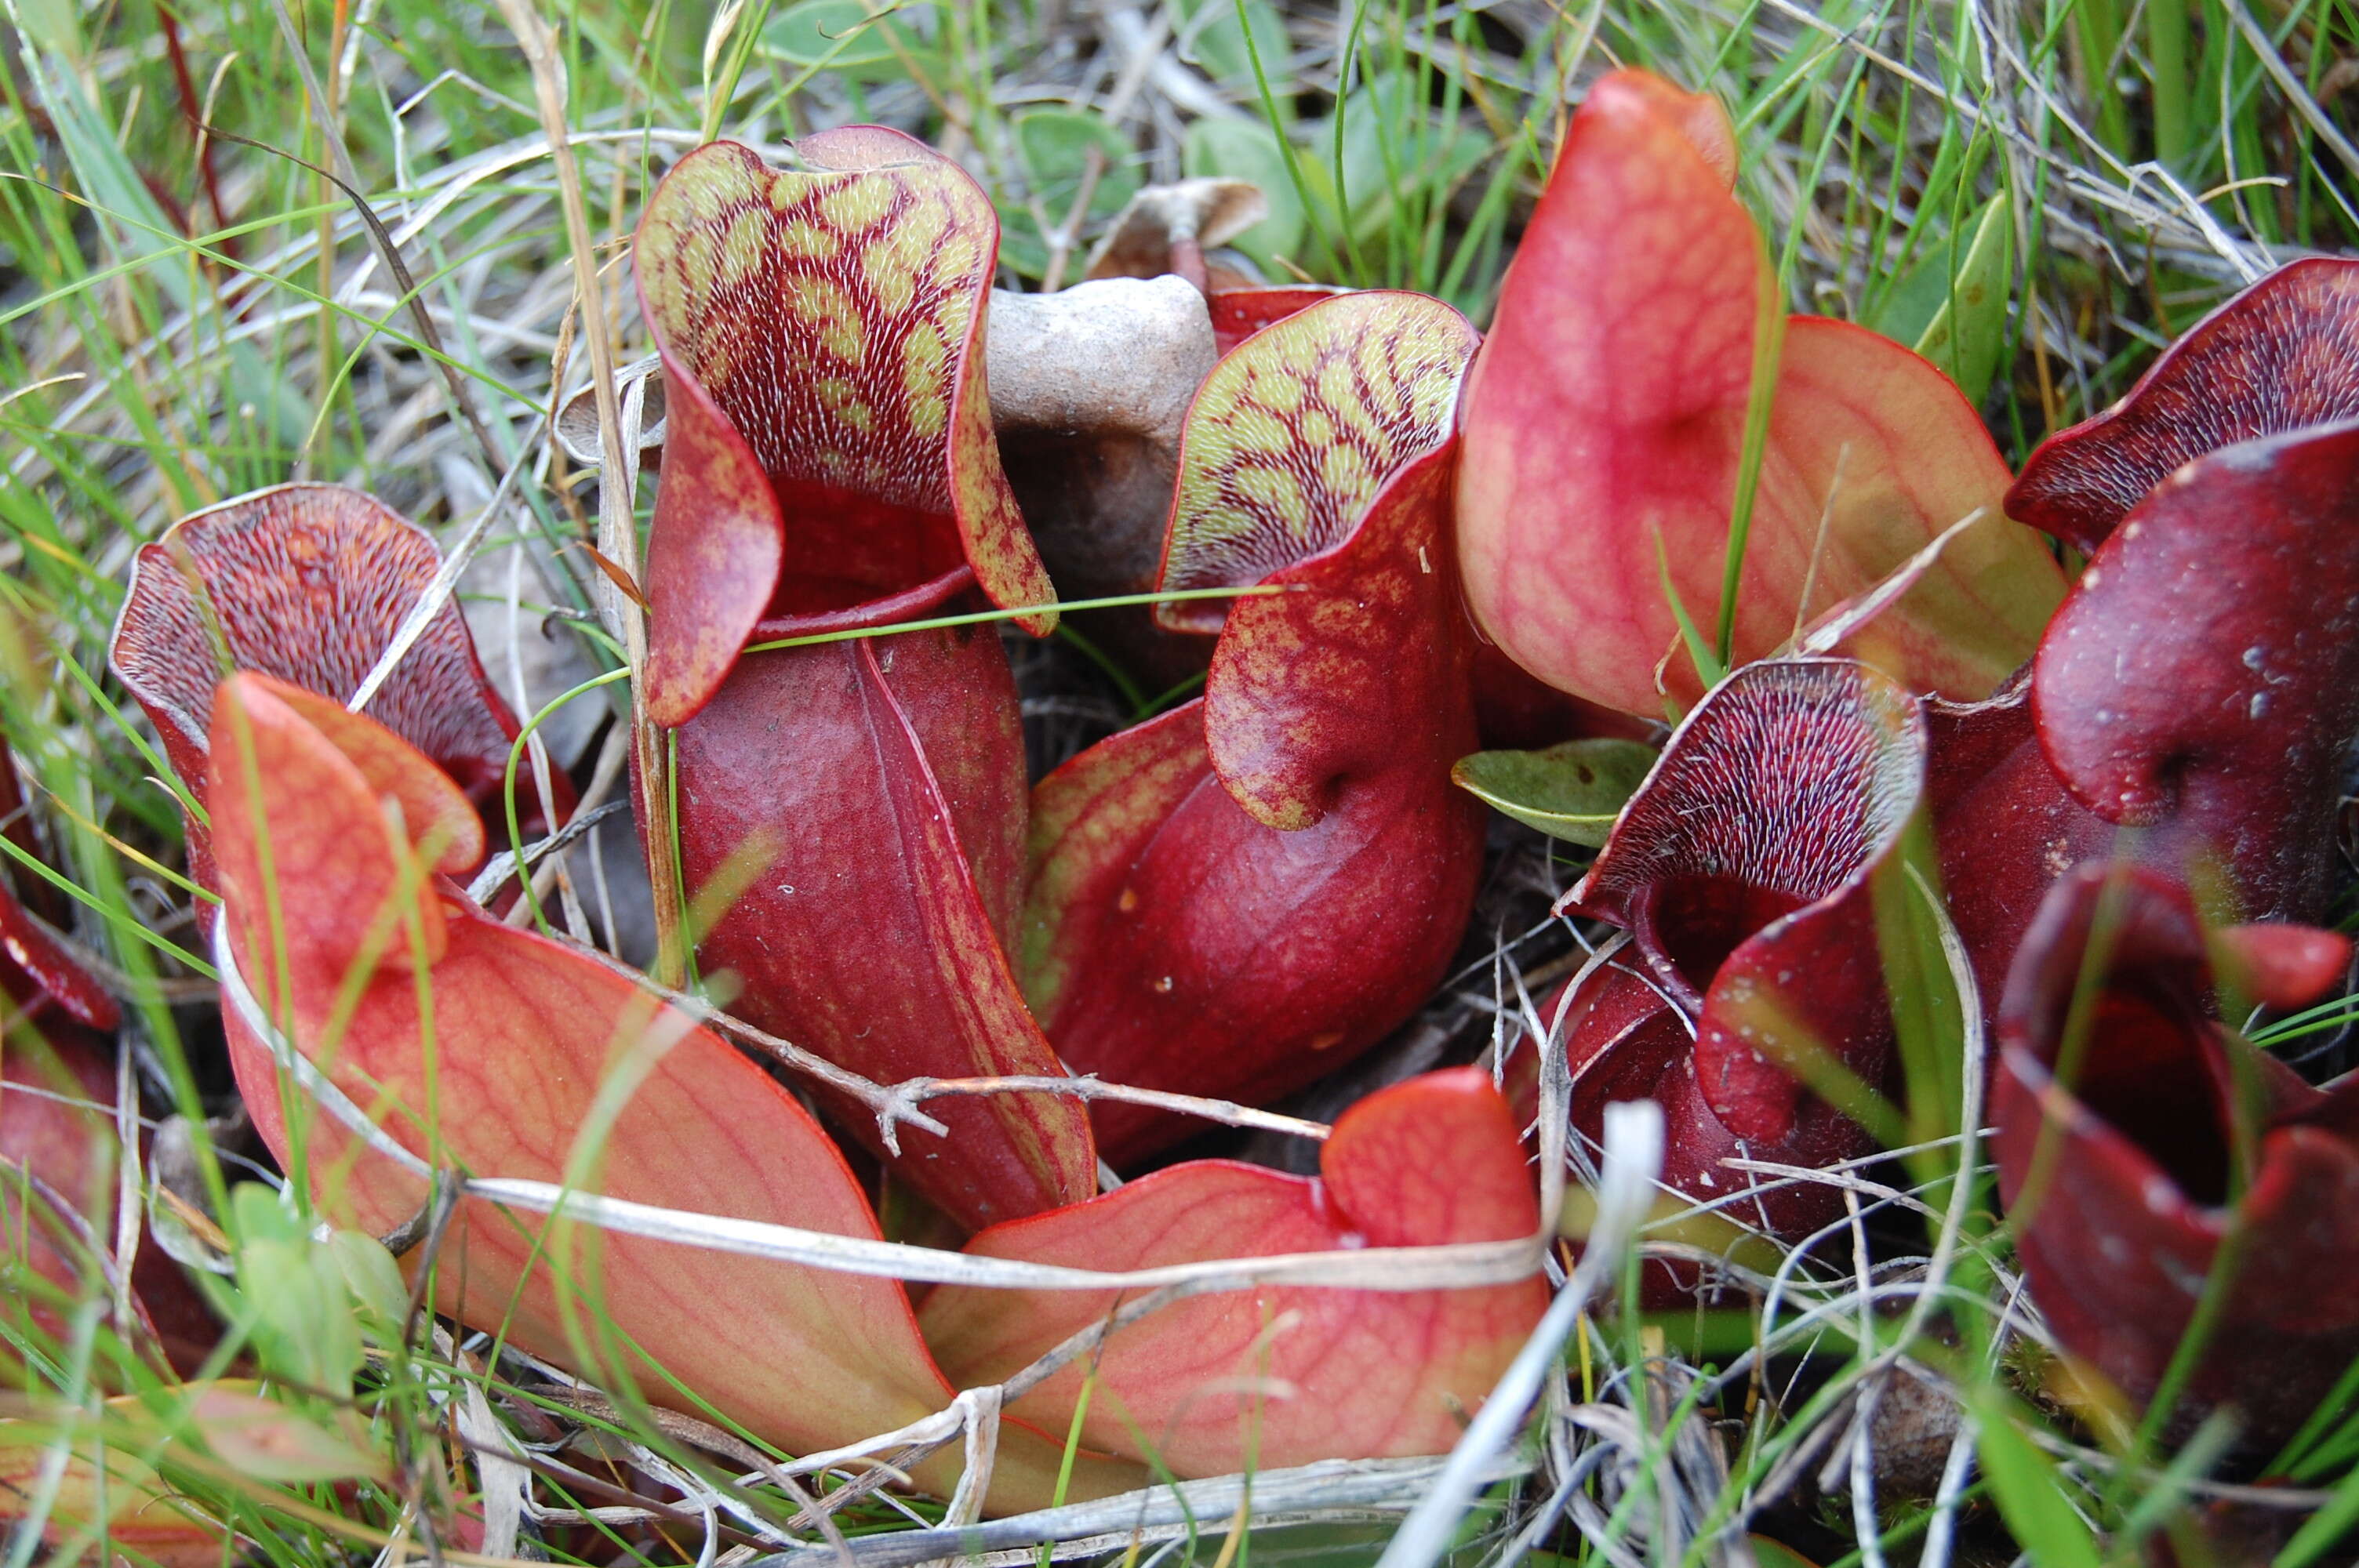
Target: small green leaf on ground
[[1212, 37], [1572, 791], [1771, 1553], [1951, 306], [1055, 145], [297, 1304], [373, 1279], [1249, 150], [1052, 152], [886, 44]]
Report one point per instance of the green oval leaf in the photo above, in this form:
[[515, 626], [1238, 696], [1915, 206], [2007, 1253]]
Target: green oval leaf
[[1213, 35], [1249, 150], [1951, 306], [854, 41], [1054, 145], [1572, 791], [300, 1314], [373, 1279]]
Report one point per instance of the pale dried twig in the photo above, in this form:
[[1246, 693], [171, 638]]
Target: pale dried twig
[[1086, 1087], [1385, 1269]]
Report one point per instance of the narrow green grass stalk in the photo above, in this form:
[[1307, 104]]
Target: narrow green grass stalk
[[2202, 1328], [1708, 666], [1072, 1448], [1354, 267], [2028, 1489], [2312, 1451], [981, 617], [1928, 1024], [1108, 666], [327, 306], [747, 34], [2100, 36], [1312, 210], [122, 922], [2322, 1531], [1768, 347], [1768, 350], [509, 784]]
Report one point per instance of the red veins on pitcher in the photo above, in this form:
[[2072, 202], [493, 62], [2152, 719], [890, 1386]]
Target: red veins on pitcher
[[820, 332], [1237, 896], [1278, 1375], [1741, 869], [2281, 356], [1604, 419], [486, 1049], [830, 465], [2124, 1177], [307, 583]]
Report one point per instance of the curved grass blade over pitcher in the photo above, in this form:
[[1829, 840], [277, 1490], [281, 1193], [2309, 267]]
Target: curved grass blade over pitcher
[[1241, 894], [1607, 410], [830, 465]]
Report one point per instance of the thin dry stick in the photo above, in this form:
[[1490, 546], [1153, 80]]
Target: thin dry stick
[[2265, 50], [617, 533], [500, 1469], [894, 1105], [119, 983], [1088, 1086], [1940, 1535], [688, 1430], [130, 1214], [537, 750], [1389, 1270], [439, 588], [1972, 1069], [1980, 114], [1338, 1489], [502, 867], [1060, 242], [888, 1106], [16, 1174]]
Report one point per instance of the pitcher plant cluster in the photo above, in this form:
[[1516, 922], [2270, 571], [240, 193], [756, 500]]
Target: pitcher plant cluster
[[1646, 496]]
